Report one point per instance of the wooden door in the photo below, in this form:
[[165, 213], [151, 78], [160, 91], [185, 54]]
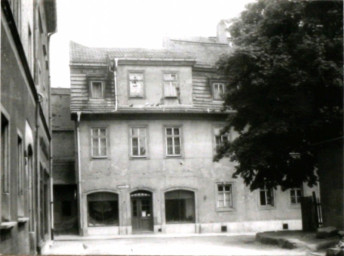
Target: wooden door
[[142, 214]]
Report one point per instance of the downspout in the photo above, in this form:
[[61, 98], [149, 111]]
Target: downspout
[[81, 222], [115, 83]]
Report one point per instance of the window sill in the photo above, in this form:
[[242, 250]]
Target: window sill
[[22, 220], [174, 156], [267, 207], [225, 209], [7, 225], [99, 157], [138, 157], [180, 222]]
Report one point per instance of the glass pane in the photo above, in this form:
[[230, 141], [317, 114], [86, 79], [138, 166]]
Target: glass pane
[[135, 151], [169, 150], [103, 142], [176, 131], [176, 141], [135, 142], [169, 142], [168, 131], [134, 132], [142, 151], [96, 90], [177, 150], [220, 187], [262, 197], [102, 132], [103, 151], [227, 187]]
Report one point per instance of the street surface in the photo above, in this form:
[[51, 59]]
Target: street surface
[[167, 245]]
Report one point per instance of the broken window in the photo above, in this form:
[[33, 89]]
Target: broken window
[[138, 141], [180, 206], [136, 85], [102, 209], [170, 85]]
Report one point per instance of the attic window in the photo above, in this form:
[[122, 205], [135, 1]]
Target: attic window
[[136, 85], [96, 89], [218, 90], [170, 85]]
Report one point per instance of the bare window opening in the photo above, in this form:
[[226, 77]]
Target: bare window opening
[[102, 209], [180, 206]]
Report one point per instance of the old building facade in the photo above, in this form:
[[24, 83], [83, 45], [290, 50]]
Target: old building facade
[[25, 208], [147, 125]]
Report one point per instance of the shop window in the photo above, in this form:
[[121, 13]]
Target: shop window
[[138, 141], [266, 197], [136, 85], [173, 141], [295, 196], [180, 206], [224, 196], [99, 142], [102, 209], [170, 85]]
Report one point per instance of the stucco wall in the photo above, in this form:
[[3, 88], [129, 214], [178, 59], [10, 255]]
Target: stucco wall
[[157, 173]]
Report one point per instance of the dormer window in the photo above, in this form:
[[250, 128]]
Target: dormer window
[[219, 89], [96, 89], [136, 85], [170, 85]]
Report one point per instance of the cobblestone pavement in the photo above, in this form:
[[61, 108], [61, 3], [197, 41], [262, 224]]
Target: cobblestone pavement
[[163, 245]]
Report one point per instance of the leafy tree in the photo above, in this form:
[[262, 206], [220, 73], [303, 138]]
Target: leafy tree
[[285, 83]]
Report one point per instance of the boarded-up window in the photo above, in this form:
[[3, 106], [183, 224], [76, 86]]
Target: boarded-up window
[[102, 209], [170, 85], [136, 85], [180, 206]]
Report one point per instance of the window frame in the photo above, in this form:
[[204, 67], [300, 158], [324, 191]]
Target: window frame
[[266, 205], [143, 96], [298, 202], [131, 142], [166, 142], [176, 81], [107, 147], [7, 157], [212, 87], [224, 208], [21, 181], [102, 84]]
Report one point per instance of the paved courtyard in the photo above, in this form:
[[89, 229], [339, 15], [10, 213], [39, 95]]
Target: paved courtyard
[[168, 245]]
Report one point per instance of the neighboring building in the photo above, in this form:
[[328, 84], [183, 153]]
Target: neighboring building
[[25, 190], [65, 203], [147, 125]]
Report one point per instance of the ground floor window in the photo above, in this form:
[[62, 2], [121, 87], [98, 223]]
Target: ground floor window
[[102, 209], [266, 197], [224, 196], [180, 206], [295, 195]]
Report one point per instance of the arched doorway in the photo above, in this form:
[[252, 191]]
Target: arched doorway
[[141, 211]]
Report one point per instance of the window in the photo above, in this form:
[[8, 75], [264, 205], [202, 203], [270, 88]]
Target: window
[[224, 195], [170, 85], [220, 139], [173, 142], [5, 158], [102, 209], [218, 90], [99, 142], [295, 195], [266, 197], [136, 85], [96, 90], [180, 206], [138, 141], [20, 165]]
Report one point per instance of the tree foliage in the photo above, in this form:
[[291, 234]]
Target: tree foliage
[[285, 83]]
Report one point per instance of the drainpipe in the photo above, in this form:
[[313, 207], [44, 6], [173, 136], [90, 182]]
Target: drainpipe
[[115, 82], [81, 227]]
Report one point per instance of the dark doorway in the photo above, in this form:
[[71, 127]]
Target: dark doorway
[[141, 211], [65, 209]]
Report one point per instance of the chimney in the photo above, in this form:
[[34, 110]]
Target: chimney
[[222, 32]]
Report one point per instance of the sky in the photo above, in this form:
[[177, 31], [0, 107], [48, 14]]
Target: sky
[[131, 23]]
